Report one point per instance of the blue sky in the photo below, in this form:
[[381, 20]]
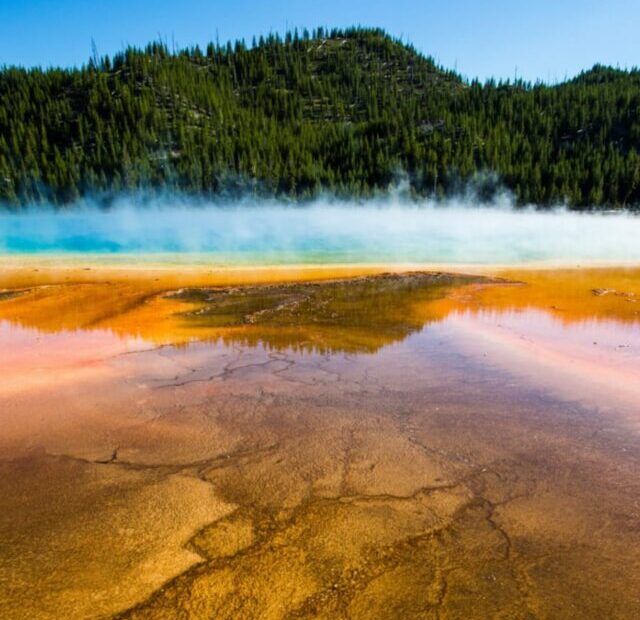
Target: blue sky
[[534, 39]]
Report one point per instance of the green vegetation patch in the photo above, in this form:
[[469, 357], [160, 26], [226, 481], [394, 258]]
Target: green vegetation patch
[[345, 111]]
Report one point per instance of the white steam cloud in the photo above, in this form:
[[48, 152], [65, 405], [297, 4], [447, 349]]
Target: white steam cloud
[[386, 230]]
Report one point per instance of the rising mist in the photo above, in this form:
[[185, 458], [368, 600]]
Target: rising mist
[[386, 230]]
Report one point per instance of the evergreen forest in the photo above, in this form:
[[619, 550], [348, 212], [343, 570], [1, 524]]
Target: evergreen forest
[[350, 112]]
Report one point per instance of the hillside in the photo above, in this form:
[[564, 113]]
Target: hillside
[[343, 111]]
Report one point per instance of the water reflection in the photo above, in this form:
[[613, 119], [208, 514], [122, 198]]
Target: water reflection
[[354, 482], [356, 315], [552, 326]]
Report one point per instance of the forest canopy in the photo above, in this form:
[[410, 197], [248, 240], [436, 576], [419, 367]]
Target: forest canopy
[[344, 111]]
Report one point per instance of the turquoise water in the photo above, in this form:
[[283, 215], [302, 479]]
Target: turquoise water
[[270, 233]]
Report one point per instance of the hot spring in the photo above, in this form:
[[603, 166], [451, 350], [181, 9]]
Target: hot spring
[[324, 232]]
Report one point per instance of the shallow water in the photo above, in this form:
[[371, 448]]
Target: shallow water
[[389, 447]]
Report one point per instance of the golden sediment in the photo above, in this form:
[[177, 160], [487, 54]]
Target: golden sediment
[[82, 525], [569, 295], [144, 303], [287, 463], [357, 313]]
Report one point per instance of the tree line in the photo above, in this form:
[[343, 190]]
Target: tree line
[[344, 111]]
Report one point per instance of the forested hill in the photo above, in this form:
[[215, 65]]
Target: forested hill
[[347, 112]]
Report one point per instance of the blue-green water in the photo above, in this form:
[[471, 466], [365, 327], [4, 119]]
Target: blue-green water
[[325, 233]]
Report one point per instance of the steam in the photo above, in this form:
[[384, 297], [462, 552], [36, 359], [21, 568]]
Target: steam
[[390, 230]]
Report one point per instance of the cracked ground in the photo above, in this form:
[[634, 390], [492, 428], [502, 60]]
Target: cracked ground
[[246, 477]]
